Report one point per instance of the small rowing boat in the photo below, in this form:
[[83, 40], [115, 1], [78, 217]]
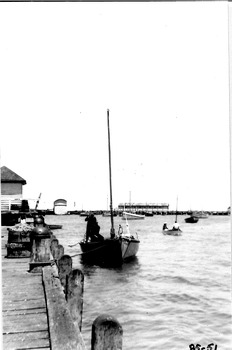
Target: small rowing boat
[[175, 231], [132, 216], [172, 232]]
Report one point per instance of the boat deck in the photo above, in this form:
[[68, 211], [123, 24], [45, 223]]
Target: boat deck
[[24, 314]]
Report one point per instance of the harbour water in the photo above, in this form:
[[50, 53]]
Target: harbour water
[[176, 292]]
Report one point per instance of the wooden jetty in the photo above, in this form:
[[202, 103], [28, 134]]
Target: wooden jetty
[[42, 301], [24, 314]]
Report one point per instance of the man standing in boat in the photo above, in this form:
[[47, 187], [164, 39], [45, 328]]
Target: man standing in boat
[[176, 226], [93, 229]]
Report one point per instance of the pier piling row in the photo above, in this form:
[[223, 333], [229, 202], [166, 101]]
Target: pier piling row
[[43, 306]]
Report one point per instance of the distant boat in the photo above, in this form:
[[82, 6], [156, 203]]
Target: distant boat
[[107, 213], [200, 214], [132, 216], [174, 231], [147, 213], [84, 213], [54, 227], [192, 219], [118, 247]]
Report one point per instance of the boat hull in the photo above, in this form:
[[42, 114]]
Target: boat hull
[[148, 214], [110, 251], [192, 220], [129, 248], [132, 216], [172, 232]]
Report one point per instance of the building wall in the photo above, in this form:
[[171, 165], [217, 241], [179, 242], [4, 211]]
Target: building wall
[[60, 206], [9, 189], [60, 209]]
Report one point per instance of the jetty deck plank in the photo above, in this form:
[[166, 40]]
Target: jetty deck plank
[[24, 314], [25, 341], [21, 305]]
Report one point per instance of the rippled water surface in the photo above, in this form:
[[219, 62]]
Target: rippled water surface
[[175, 293]]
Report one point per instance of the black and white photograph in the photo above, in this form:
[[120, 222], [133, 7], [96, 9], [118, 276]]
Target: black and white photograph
[[115, 175]]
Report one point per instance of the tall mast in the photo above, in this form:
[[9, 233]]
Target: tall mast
[[37, 202], [176, 207], [112, 233]]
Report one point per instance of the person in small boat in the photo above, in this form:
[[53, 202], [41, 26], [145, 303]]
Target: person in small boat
[[93, 229], [165, 227], [23, 219], [176, 226], [120, 230]]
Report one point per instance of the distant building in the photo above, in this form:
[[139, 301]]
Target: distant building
[[144, 207], [60, 207], [11, 189]]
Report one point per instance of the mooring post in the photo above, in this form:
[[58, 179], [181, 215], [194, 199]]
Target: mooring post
[[54, 246], [53, 236], [106, 333], [75, 289], [39, 221], [40, 255], [64, 335], [64, 265], [57, 250]]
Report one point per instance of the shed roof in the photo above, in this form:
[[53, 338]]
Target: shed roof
[[8, 175], [60, 201]]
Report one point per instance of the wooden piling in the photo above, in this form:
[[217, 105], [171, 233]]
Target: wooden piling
[[64, 265], [60, 251], [106, 333], [75, 289], [53, 236], [57, 250], [64, 335]]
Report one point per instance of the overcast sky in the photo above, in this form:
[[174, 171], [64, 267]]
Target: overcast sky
[[163, 71]]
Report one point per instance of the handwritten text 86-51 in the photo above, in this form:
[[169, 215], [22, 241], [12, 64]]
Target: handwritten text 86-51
[[211, 346]]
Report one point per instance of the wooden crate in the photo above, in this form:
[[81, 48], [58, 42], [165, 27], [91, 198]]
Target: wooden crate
[[19, 243]]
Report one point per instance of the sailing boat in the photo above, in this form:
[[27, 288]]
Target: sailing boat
[[191, 219], [118, 247], [174, 231], [107, 212], [132, 216], [129, 215]]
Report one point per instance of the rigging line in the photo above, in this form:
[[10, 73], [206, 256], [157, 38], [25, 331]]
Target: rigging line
[[127, 226], [72, 245], [89, 251], [127, 248]]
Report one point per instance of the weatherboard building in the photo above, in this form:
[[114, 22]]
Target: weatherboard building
[[11, 190]]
